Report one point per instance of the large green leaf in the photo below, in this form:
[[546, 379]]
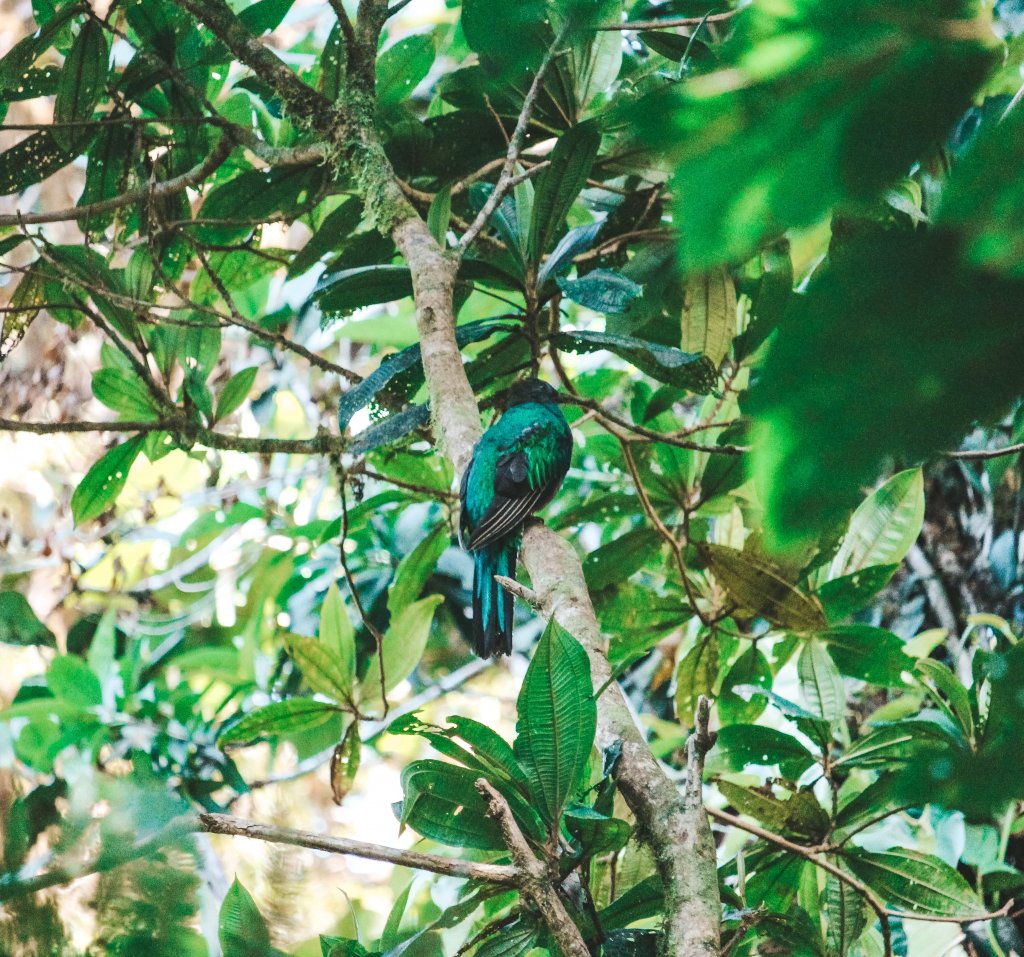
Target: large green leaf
[[401, 650], [339, 637], [868, 653], [884, 526], [557, 720], [18, 623], [709, 315], [741, 745], [340, 293], [81, 82], [908, 350], [73, 681], [402, 66], [601, 290], [240, 927], [560, 183], [33, 159], [416, 567], [104, 481], [915, 883], [322, 666], [820, 681], [882, 91]]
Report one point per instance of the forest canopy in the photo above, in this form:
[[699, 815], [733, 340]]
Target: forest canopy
[[271, 270]]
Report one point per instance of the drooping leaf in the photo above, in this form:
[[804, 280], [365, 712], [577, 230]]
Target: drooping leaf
[[573, 243], [340, 293], [104, 481], [914, 882], [81, 82], [664, 363], [799, 813], [709, 315], [392, 429], [557, 720], [281, 717]]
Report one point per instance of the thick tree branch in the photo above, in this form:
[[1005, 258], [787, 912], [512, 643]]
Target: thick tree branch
[[534, 880]]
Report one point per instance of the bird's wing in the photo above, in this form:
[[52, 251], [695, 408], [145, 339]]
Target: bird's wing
[[516, 496], [464, 522]]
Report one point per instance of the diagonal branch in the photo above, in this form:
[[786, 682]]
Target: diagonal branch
[[534, 880]]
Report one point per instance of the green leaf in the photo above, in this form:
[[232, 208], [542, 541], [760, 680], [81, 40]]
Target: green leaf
[[328, 236], [520, 42], [264, 15], [125, 393], [339, 638], [799, 814], [909, 350], [741, 745], [601, 290], [416, 567], [402, 648], [846, 913], [401, 68], [885, 525], [841, 597], [33, 159], [819, 678], [643, 900], [331, 946], [892, 745], [240, 927], [870, 654], [664, 363], [82, 79], [760, 586], [560, 183], [695, 676], [104, 481], [749, 165], [914, 882], [73, 681], [439, 216], [321, 666], [341, 293], [709, 315], [280, 717], [18, 623], [597, 833], [557, 720], [236, 390], [442, 803], [946, 689], [751, 668], [514, 941]]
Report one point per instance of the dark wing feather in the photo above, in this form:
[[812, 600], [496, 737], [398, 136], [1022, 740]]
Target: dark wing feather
[[464, 511], [514, 500]]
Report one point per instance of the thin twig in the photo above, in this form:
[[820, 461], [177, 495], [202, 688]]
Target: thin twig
[[982, 455], [668, 22], [515, 145]]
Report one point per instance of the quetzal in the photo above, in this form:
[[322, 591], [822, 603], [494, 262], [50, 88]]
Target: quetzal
[[516, 468]]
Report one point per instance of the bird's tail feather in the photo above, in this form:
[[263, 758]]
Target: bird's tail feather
[[492, 604]]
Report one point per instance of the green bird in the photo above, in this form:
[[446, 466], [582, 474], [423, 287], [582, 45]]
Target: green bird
[[516, 468]]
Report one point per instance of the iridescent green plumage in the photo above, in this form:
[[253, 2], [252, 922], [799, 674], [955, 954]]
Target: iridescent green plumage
[[517, 467]]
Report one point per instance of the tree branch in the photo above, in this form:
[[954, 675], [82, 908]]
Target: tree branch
[[668, 22], [501, 874], [534, 880]]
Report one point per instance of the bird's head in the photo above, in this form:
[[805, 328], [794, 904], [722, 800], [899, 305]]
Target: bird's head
[[525, 390]]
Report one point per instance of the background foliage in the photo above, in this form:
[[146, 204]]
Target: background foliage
[[771, 257]]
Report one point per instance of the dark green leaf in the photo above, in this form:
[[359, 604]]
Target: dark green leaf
[[73, 681], [560, 183], [343, 292], [33, 159], [741, 745], [871, 654], [751, 668], [241, 928], [401, 68], [415, 568], [392, 429], [18, 623], [104, 481], [81, 82], [601, 290], [236, 390], [125, 393], [664, 363], [338, 226], [264, 15], [595, 832], [640, 902], [557, 719], [841, 597], [442, 803], [895, 744]]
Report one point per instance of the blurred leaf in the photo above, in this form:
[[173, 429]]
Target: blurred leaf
[[345, 762], [760, 586], [280, 717], [597, 833], [908, 351], [104, 481], [601, 290], [339, 637], [841, 597], [557, 720], [33, 159], [72, 680], [559, 184], [18, 623], [799, 814], [885, 525], [82, 79], [416, 567], [322, 666], [402, 649], [664, 363], [947, 691], [751, 668], [915, 882], [748, 165]]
